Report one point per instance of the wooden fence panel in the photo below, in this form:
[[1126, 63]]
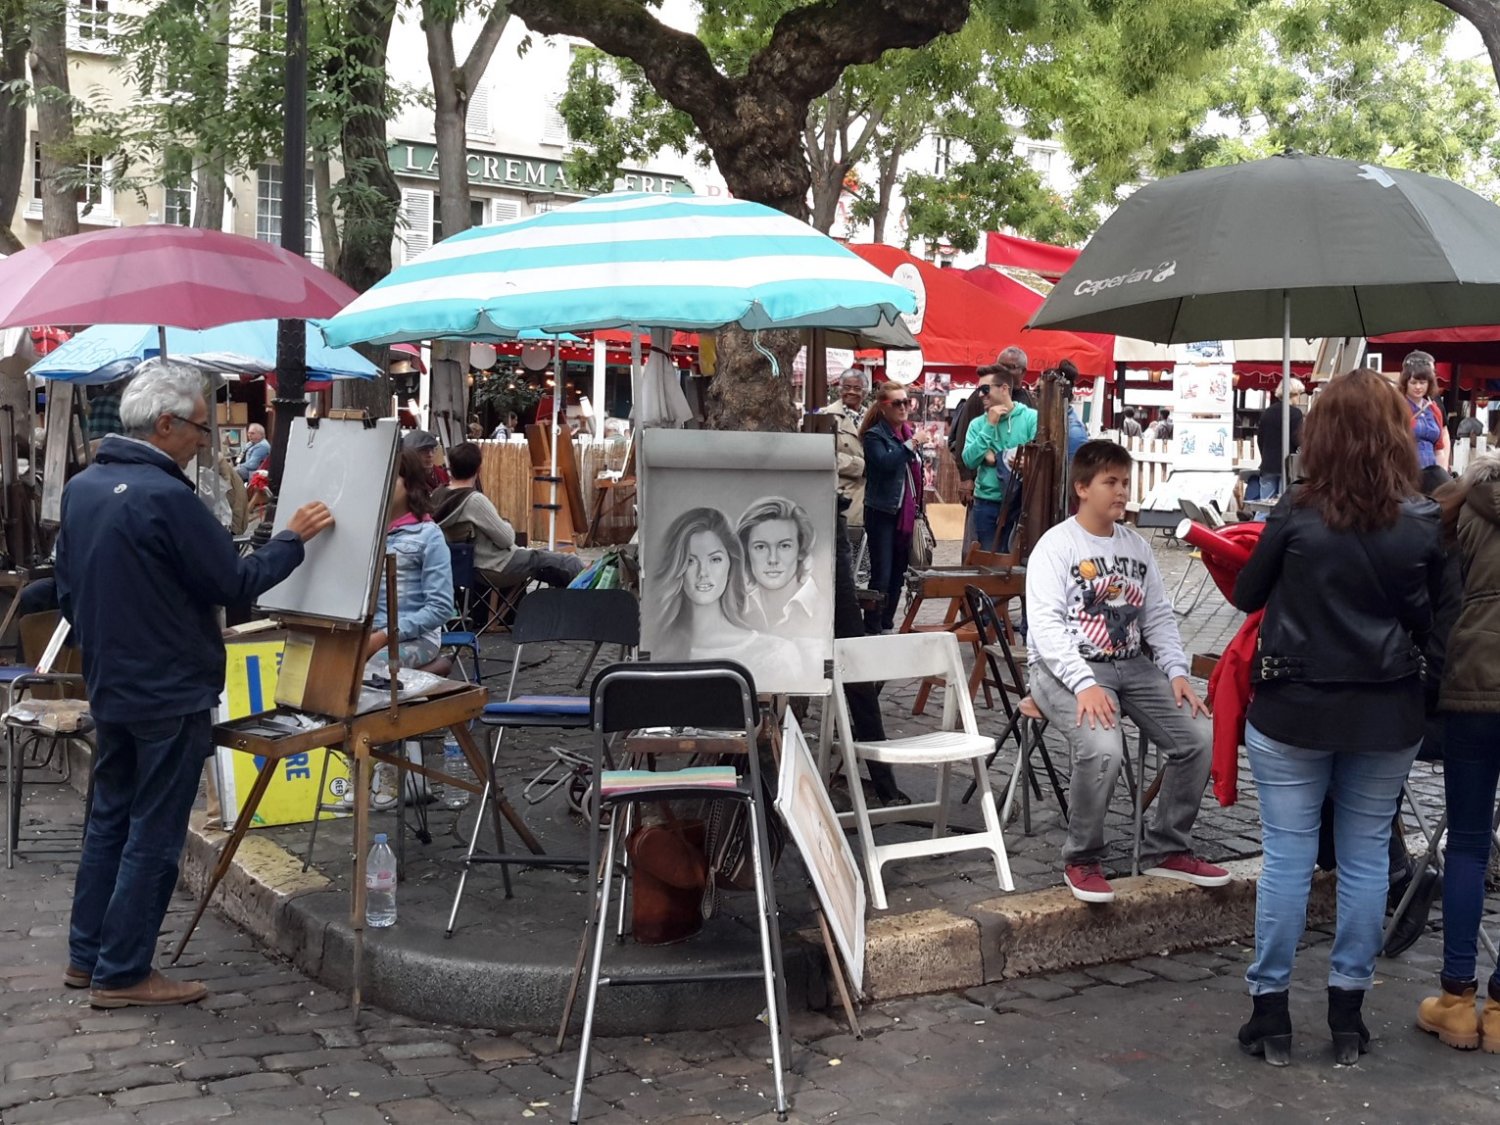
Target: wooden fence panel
[[505, 477]]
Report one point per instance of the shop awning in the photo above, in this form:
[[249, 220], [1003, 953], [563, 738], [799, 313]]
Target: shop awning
[[1011, 252], [962, 326]]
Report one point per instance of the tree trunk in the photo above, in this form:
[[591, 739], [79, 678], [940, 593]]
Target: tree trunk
[[208, 207], [328, 224], [14, 43], [753, 124], [1485, 16], [744, 394], [209, 171], [54, 120], [374, 394], [371, 196], [888, 164]]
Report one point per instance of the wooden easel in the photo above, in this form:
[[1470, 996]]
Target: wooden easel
[[322, 676], [572, 517]]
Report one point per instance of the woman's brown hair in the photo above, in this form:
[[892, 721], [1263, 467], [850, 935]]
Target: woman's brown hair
[[882, 393], [1359, 459], [418, 492]]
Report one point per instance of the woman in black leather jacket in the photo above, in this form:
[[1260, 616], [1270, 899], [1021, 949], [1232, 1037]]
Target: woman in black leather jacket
[[1346, 572]]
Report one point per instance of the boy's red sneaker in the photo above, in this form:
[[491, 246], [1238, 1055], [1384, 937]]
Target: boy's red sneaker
[[1087, 882], [1190, 869]]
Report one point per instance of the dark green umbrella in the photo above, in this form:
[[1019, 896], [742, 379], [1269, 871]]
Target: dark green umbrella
[[1292, 244]]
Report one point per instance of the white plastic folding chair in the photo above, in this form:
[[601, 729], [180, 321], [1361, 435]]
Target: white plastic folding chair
[[916, 656]]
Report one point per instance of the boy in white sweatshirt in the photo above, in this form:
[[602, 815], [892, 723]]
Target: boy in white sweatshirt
[[1093, 596]]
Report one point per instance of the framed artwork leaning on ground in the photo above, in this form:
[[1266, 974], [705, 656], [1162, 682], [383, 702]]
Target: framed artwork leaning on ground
[[737, 552]]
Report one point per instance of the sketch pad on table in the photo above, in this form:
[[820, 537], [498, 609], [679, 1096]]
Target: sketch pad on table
[[350, 468]]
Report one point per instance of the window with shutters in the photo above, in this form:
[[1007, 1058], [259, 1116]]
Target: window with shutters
[[476, 217], [268, 209], [88, 25], [272, 16], [478, 121], [554, 128], [504, 210], [177, 189], [417, 213], [91, 187]]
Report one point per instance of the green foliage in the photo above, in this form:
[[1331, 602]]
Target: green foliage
[[505, 394]]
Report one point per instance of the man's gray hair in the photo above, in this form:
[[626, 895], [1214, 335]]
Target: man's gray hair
[[1418, 363], [857, 373], [1015, 353], [158, 387]]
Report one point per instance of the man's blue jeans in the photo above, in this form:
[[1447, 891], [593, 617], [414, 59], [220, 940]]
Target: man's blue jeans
[[1291, 783], [145, 780], [1471, 770]]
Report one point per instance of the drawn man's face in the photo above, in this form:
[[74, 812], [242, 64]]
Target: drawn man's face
[[773, 553], [707, 568]]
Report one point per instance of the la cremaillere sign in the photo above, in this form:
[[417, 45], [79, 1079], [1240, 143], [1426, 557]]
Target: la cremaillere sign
[[528, 173]]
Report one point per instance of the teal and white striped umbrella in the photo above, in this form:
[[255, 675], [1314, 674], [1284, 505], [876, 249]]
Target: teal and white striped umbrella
[[621, 260]]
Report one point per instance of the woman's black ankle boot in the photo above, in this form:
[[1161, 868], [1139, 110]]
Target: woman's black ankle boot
[[1351, 1038], [1269, 1032]]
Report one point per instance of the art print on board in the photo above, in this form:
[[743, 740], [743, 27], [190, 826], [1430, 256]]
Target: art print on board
[[737, 552]]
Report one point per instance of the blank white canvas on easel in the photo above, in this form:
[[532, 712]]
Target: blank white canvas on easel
[[350, 468]]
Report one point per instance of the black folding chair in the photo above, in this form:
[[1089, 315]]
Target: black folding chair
[[1025, 728], [461, 635], [715, 695], [597, 616]]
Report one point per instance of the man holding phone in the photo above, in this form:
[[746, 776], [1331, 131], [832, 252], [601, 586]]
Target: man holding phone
[[1004, 425]]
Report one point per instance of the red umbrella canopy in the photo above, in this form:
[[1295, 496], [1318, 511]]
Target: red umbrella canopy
[[1028, 300], [965, 326], [169, 275]]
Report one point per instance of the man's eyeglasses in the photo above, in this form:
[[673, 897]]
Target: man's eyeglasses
[[199, 426]]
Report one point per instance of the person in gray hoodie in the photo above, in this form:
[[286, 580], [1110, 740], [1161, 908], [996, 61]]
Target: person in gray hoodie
[[466, 514]]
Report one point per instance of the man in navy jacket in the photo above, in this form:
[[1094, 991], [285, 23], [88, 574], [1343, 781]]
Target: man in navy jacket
[[141, 567]]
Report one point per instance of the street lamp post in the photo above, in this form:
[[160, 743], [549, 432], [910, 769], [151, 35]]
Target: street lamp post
[[291, 335]]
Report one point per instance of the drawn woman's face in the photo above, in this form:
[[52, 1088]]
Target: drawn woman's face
[[707, 573]]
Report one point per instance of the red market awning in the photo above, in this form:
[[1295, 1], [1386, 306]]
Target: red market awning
[[1015, 253], [964, 326], [1471, 344], [1027, 299]]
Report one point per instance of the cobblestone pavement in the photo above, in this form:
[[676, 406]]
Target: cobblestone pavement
[[1146, 1041]]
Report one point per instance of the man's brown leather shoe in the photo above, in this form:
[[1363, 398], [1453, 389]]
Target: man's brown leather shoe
[[155, 989], [74, 977]]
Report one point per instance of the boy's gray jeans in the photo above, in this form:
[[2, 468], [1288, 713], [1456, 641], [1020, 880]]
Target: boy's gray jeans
[[1142, 691]]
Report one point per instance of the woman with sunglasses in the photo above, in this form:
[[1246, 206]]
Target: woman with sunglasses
[[893, 493]]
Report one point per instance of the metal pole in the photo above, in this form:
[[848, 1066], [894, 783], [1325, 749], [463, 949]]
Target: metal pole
[[1286, 389], [557, 405], [291, 335]]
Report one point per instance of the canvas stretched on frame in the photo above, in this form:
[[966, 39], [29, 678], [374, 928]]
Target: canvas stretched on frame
[[350, 467], [803, 804], [697, 478]]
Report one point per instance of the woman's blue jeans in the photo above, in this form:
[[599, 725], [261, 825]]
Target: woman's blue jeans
[[890, 552], [1291, 783], [1471, 770]]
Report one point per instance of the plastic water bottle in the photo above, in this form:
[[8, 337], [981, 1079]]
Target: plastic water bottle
[[456, 766], [380, 885]]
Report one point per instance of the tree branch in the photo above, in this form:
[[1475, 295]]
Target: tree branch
[[484, 46], [810, 47], [1485, 16], [675, 62]]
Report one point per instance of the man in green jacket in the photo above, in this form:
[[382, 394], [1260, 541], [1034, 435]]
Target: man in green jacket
[[1003, 426]]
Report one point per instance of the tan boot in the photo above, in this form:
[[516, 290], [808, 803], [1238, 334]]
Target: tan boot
[[1489, 1026], [154, 990], [1452, 1018]]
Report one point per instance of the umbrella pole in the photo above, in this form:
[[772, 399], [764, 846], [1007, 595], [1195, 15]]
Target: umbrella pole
[[1286, 389], [556, 409], [161, 340]]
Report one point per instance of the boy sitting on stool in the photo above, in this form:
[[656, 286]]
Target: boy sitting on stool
[[1093, 594]]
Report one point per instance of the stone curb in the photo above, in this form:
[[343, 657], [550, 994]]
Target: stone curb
[[303, 917], [467, 980], [1049, 931]]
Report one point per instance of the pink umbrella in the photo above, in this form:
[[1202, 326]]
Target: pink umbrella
[[164, 275]]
